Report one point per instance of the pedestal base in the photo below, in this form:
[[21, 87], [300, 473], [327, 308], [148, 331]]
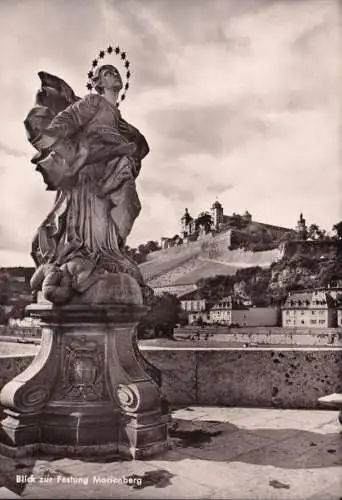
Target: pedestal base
[[89, 391]]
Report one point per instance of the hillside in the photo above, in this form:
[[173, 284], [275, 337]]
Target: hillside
[[304, 265], [210, 256]]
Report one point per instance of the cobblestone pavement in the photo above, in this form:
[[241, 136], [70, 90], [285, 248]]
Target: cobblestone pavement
[[214, 453]]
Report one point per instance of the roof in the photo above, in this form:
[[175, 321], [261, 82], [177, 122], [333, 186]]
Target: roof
[[186, 216], [308, 300], [193, 295], [216, 204], [231, 302]]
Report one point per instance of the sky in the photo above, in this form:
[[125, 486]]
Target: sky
[[240, 101]]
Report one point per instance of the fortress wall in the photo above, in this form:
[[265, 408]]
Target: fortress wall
[[169, 265]]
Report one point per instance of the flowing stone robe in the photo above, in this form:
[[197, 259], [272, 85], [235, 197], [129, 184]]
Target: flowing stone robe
[[95, 210]]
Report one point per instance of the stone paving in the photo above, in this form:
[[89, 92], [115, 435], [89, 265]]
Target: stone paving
[[214, 453]]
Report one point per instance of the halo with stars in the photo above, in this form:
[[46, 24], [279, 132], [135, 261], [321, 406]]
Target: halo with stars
[[102, 54]]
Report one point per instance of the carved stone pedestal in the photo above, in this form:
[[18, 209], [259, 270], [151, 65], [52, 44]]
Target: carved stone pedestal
[[88, 391]]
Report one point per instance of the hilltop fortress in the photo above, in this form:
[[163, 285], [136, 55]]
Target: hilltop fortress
[[240, 230], [213, 244]]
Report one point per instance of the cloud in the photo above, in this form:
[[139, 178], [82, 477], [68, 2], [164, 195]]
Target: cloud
[[237, 99], [213, 129], [11, 151]]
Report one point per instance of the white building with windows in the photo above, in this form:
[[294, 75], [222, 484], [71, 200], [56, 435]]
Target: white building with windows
[[227, 311], [314, 309], [196, 306], [232, 312]]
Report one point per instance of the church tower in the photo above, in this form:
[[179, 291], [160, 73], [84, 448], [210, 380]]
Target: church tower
[[301, 227], [217, 214], [185, 221]]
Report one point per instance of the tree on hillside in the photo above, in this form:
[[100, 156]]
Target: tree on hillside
[[337, 228], [237, 221], [316, 233], [163, 316], [216, 287], [5, 295], [204, 220], [290, 236], [139, 254], [5, 288], [152, 246]]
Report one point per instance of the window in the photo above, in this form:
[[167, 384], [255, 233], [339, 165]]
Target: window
[[302, 322], [322, 321], [302, 313], [313, 321], [313, 312]]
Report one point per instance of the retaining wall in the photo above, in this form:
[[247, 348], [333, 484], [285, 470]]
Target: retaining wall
[[265, 335], [259, 377]]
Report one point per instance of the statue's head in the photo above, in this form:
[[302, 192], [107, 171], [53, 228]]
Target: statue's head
[[107, 77]]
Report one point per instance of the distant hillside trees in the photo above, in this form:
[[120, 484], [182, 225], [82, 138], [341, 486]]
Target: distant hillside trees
[[204, 220], [139, 254], [337, 228], [288, 236], [162, 318], [253, 282], [5, 294], [237, 221], [5, 288], [316, 233]]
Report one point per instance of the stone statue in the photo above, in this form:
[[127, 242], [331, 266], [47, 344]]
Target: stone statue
[[89, 389], [91, 157]]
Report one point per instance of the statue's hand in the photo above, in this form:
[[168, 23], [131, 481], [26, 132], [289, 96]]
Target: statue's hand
[[44, 142]]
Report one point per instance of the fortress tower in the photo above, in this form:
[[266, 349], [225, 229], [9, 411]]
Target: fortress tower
[[185, 222], [301, 227], [217, 214]]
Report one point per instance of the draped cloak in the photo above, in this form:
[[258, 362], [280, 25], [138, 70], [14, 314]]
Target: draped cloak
[[93, 215]]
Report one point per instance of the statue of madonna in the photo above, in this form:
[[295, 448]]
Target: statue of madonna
[[91, 157]]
